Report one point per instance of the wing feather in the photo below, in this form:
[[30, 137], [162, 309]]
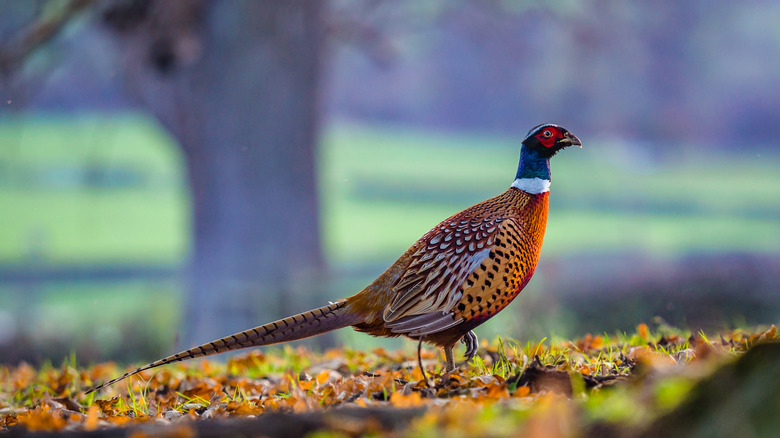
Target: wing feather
[[431, 286], [420, 325]]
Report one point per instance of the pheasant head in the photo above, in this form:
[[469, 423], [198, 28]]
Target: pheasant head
[[541, 143]]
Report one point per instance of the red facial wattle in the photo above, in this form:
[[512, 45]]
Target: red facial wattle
[[549, 136]]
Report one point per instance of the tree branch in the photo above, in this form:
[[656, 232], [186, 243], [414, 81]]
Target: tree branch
[[38, 34]]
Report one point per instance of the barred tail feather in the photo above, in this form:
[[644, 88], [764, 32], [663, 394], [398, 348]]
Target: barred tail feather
[[304, 325]]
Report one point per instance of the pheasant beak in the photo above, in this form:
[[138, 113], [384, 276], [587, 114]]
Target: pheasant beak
[[570, 139]]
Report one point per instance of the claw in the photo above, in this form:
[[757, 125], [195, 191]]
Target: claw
[[472, 344]]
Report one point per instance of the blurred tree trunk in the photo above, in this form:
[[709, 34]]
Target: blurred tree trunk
[[236, 84]]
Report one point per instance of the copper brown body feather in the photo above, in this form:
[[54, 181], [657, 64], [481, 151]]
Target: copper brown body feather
[[459, 274]]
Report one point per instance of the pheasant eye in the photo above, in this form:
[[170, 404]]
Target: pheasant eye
[[547, 133]]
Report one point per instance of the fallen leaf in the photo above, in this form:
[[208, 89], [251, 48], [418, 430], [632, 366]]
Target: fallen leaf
[[42, 418], [92, 418], [643, 331], [400, 400]]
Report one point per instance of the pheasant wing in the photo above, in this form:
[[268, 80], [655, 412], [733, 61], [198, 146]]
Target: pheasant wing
[[431, 285]]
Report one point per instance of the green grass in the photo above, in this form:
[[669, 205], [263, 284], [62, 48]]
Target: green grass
[[99, 319], [136, 212], [381, 187]]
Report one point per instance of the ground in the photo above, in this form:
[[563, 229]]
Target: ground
[[594, 386]]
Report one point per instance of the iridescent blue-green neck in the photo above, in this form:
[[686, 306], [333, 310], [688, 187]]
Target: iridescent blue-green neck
[[533, 165]]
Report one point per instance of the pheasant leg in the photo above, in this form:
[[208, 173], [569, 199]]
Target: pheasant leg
[[450, 359], [419, 359]]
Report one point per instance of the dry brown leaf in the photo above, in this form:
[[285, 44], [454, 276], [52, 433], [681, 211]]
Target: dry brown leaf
[[201, 391], [400, 400], [643, 331], [245, 408], [522, 391], [42, 418], [92, 418], [107, 406]]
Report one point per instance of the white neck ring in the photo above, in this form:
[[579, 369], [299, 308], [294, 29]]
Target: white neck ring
[[533, 186]]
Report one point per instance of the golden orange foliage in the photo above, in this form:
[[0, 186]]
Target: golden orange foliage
[[463, 401]]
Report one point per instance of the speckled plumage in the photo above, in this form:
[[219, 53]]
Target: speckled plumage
[[455, 277], [462, 272]]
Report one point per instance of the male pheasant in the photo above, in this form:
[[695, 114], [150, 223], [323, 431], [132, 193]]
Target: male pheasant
[[454, 278]]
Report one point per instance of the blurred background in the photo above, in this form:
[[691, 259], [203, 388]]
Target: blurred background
[[175, 171]]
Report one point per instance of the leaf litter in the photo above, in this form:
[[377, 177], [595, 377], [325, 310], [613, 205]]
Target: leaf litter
[[557, 388]]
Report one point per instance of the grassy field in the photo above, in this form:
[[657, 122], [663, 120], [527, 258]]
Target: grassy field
[[105, 190], [89, 190], [382, 188]]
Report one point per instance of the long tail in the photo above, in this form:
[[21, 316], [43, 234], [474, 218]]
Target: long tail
[[304, 325]]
